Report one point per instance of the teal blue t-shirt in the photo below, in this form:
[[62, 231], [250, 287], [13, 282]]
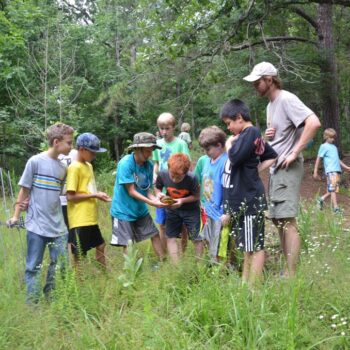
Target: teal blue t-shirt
[[329, 154], [124, 207]]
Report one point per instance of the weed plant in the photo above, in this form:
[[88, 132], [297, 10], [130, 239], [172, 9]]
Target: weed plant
[[189, 306]]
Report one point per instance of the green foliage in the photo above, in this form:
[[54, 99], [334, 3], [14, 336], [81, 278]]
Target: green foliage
[[111, 67], [189, 306], [132, 265]]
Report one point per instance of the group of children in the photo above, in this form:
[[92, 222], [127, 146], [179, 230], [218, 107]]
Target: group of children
[[224, 192]]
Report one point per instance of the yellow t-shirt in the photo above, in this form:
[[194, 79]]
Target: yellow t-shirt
[[80, 178]]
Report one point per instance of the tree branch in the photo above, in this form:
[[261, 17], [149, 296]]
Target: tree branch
[[307, 17], [272, 39]]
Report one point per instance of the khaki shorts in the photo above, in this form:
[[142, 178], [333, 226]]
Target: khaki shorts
[[284, 191], [333, 181]]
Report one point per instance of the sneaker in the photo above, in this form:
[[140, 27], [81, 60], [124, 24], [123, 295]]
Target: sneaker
[[320, 203], [337, 211], [155, 266]]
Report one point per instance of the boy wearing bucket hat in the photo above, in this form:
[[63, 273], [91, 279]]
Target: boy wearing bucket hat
[[290, 127], [84, 232], [132, 193]]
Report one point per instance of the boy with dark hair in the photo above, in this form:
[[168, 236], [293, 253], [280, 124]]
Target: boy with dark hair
[[328, 152], [132, 193], [212, 140], [82, 195], [244, 194], [42, 182], [183, 188]]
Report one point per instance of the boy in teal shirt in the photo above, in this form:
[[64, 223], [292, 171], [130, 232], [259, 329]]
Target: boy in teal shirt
[[132, 191]]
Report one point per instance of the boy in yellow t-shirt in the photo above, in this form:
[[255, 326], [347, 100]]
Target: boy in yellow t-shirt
[[84, 232]]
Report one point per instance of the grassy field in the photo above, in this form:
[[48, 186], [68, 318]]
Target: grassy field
[[191, 306]]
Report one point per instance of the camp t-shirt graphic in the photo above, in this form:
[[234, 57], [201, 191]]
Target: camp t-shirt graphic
[[208, 184], [168, 149], [177, 193], [164, 156], [187, 187], [212, 175]]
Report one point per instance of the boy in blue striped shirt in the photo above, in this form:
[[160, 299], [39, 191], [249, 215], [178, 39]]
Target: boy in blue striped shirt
[[41, 184]]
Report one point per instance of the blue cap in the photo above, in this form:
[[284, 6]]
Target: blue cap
[[90, 142]]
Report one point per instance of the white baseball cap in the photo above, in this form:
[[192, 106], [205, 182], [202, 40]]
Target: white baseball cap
[[261, 69]]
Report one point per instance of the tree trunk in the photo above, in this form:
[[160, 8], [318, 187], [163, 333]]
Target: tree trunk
[[329, 75], [179, 113]]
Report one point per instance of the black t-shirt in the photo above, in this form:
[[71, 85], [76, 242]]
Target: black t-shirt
[[187, 187], [243, 189]]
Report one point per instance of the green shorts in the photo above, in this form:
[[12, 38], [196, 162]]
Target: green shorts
[[284, 191]]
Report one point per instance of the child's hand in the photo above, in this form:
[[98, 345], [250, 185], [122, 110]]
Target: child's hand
[[270, 133], [158, 204], [103, 197], [177, 204], [225, 219], [159, 195], [12, 222]]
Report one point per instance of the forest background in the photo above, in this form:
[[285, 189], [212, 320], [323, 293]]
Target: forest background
[[112, 66]]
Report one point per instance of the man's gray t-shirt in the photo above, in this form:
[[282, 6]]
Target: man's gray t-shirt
[[287, 115], [44, 176]]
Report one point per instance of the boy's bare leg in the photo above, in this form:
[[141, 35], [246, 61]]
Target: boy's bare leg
[[290, 242], [158, 247], [198, 248], [256, 266], [184, 239], [100, 254], [173, 250], [326, 195], [246, 267], [334, 200], [162, 236]]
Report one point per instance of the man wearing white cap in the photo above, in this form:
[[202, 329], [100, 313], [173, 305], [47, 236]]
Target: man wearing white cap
[[290, 126]]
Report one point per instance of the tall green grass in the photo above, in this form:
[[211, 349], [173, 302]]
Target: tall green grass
[[191, 306]]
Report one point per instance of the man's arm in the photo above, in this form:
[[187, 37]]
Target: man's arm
[[312, 124]]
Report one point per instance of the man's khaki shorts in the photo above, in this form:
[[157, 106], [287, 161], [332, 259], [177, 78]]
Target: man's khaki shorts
[[284, 191]]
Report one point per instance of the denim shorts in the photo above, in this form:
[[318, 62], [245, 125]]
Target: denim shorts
[[160, 216]]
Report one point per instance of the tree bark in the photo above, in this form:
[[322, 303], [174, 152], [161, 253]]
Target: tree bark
[[329, 76]]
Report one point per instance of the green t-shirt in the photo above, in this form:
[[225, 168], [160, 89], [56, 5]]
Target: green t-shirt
[[198, 172], [169, 148]]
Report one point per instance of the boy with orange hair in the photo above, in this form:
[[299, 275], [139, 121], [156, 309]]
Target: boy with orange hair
[[182, 186]]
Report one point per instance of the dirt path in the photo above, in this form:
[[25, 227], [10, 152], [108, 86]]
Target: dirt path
[[310, 187]]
